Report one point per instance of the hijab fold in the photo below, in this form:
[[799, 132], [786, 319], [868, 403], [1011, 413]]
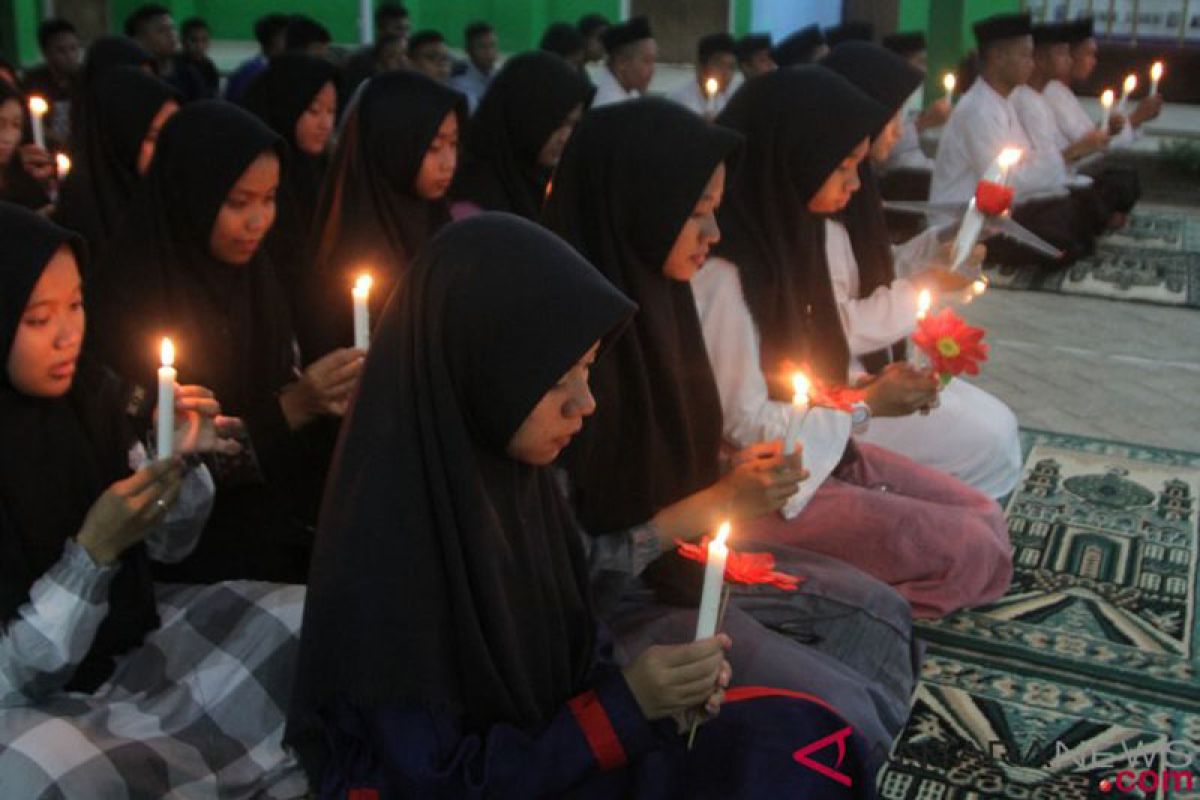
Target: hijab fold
[[371, 218], [447, 575], [800, 123], [57, 456], [627, 183], [525, 104]]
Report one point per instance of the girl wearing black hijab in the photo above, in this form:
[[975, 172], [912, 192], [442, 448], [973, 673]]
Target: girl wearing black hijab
[[188, 264], [82, 513], [296, 95], [383, 198], [646, 471], [22, 176], [449, 648], [767, 300], [969, 434], [517, 135], [114, 151], [103, 55]]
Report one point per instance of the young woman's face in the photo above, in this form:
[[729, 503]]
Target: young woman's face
[[247, 213], [557, 417], [12, 116], [552, 150], [699, 232], [150, 140], [441, 159], [315, 125], [881, 145], [50, 332], [841, 184]]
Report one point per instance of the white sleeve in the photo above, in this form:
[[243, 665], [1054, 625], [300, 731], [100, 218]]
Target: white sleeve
[[889, 313], [174, 539]]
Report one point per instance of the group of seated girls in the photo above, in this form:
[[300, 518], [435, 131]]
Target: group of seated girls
[[451, 567]]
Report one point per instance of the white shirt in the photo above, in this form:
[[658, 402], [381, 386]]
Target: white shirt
[[1073, 120], [870, 323], [473, 84], [1037, 117], [732, 341], [907, 152], [691, 96], [609, 91], [981, 125]]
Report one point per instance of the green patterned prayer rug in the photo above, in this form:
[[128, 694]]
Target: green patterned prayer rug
[[1084, 680], [1154, 259]]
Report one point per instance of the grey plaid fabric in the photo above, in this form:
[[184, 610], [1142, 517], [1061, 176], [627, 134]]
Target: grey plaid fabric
[[197, 712]]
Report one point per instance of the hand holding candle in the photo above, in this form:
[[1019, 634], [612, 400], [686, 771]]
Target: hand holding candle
[[165, 441], [37, 110], [362, 312], [1156, 73]]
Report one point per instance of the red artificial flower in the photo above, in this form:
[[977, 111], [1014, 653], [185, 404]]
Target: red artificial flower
[[953, 346], [839, 398], [993, 199], [744, 568]]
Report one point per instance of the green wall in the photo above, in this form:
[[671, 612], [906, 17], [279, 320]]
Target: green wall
[[947, 25]]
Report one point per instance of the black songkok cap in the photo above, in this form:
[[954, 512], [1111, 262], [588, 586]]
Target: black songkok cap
[[799, 47], [1002, 26], [628, 32], [750, 44], [905, 44], [850, 32]]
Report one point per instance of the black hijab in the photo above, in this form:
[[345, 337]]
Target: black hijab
[[369, 211], [447, 575], [103, 55], [889, 80], [527, 102], [95, 195], [279, 96], [799, 123], [230, 324], [57, 456], [627, 183]]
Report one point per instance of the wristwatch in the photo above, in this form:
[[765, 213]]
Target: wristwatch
[[860, 417]]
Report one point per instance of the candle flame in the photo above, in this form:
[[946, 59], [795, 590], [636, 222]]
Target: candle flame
[[800, 387], [38, 105], [924, 301], [1107, 98], [949, 82], [64, 164], [1009, 156], [362, 286], [722, 534], [980, 286], [711, 86], [1156, 71], [1130, 83], [168, 353]]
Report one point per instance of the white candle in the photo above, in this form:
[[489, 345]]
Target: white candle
[[1106, 102], [1127, 89], [710, 91], [1156, 73], [949, 82], [166, 401], [800, 389], [362, 312], [37, 109], [714, 583], [924, 301], [63, 161]]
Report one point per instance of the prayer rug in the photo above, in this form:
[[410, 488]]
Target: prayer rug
[[1154, 259], [1084, 680]]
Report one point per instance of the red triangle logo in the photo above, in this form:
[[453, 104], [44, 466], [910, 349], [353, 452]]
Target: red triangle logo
[[838, 739]]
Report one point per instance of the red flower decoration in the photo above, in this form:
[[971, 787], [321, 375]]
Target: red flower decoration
[[744, 568], [839, 398], [953, 346], [993, 199]]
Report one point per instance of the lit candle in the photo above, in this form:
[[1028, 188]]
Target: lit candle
[[714, 582], [37, 109], [949, 82], [362, 312], [166, 401], [979, 287], [1106, 102], [1127, 89], [924, 301], [800, 390], [63, 161], [710, 91], [1156, 73]]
